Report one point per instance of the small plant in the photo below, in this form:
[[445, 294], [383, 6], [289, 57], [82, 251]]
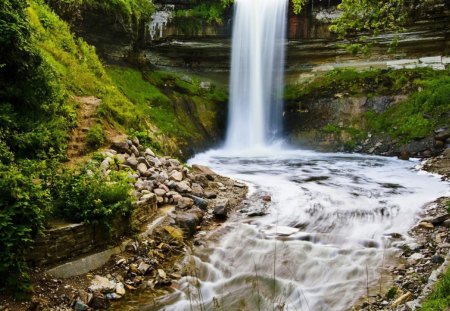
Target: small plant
[[392, 292], [95, 137]]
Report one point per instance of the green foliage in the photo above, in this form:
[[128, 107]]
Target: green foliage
[[392, 292], [95, 137], [419, 115], [439, 300], [93, 197], [24, 201], [362, 19], [331, 128]]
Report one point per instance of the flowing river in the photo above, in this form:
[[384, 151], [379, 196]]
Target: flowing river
[[320, 241]]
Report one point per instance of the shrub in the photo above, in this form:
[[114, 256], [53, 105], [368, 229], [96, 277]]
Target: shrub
[[92, 197], [24, 204], [95, 137]]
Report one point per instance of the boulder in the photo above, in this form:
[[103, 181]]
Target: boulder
[[120, 289], [122, 147], [202, 169], [135, 141], [199, 202], [160, 192], [197, 190], [132, 162], [221, 208], [99, 302], [149, 152], [189, 220], [176, 176], [182, 187], [142, 169], [134, 150]]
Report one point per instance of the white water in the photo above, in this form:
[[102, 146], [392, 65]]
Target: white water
[[325, 234], [257, 67]]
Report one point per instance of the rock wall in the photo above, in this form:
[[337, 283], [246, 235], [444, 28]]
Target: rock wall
[[73, 240]]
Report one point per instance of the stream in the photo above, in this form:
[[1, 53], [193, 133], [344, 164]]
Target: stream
[[317, 245]]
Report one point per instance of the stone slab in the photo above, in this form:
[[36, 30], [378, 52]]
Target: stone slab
[[431, 60]]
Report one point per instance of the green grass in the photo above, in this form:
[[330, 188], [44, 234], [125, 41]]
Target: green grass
[[439, 299]]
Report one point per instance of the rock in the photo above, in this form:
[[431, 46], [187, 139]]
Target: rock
[[142, 169], [439, 144], [135, 141], [221, 209], [402, 299], [132, 162], [205, 85], [176, 176], [426, 225], [153, 161], [143, 267], [197, 190], [80, 306], [185, 203], [112, 296], [120, 289], [431, 60], [182, 187], [436, 221], [162, 274], [442, 134], [199, 202], [266, 198], [437, 259], [186, 79], [134, 150], [239, 185], [160, 192], [446, 223], [99, 302], [415, 257], [189, 220], [202, 169], [122, 147], [149, 152], [210, 195], [102, 284], [404, 155]]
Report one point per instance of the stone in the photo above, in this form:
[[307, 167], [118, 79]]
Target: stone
[[120, 289], [446, 223], [162, 274], [437, 66], [186, 79], [199, 202], [132, 162], [160, 192], [134, 150], [149, 152], [221, 209], [205, 85], [185, 203], [426, 225], [102, 284], [197, 190], [202, 169], [80, 306], [402, 299], [439, 144], [266, 198], [176, 176], [416, 256], [401, 62], [437, 259], [182, 187], [135, 141], [431, 60], [210, 195], [439, 219], [99, 302], [142, 168], [442, 134], [154, 161], [143, 267], [122, 147], [404, 155], [446, 60], [189, 220]]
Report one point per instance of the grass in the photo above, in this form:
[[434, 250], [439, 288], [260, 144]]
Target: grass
[[439, 299]]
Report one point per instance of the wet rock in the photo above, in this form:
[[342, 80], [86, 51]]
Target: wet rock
[[210, 195], [199, 202], [266, 198], [99, 302], [404, 155], [80, 306], [437, 259], [438, 220], [189, 220], [221, 209], [442, 134], [446, 223], [197, 190], [202, 169], [102, 284]]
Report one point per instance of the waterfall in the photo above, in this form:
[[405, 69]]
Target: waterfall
[[257, 69]]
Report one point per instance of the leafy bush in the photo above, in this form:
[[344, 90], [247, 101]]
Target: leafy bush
[[24, 204], [92, 197], [95, 137]]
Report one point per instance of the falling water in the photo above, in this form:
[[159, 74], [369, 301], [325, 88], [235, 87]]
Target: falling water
[[257, 67]]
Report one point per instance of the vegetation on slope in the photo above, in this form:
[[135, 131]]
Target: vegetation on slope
[[425, 109], [439, 299]]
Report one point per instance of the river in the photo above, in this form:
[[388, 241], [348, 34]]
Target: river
[[320, 241]]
